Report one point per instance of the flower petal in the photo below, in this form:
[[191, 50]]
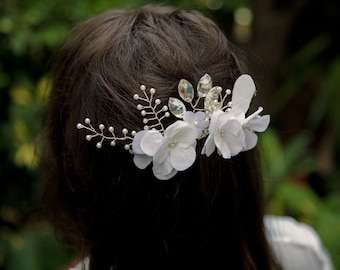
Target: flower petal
[[200, 117], [244, 89], [188, 117], [186, 135], [166, 176], [182, 158], [233, 137], [251, 140], [162, 153], [150, 142], [214, 121], [142, 161], [209, 146], [222, 148], [136, 142], [163, 170], [259, 124], [181, 131]]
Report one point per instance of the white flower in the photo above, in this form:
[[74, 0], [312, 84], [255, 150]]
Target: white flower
[[175, 151], [225, 133], [197, 119], [253, 123], [231, 132], [144, 146]]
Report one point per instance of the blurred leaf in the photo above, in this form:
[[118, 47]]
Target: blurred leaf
[[303, 70], [272, 155], [327, 102], [36, 248]]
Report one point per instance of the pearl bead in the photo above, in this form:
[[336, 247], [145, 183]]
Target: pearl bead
[[135, 96], [112, 143], [125, 131], [101, 126], [152, 91], [142, 87], [173, 143], [99, 145], [87, 120], [79, 126], [111, 129]]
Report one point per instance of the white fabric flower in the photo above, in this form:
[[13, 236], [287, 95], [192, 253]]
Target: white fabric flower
[[225, 133], [253, 123], [144, 146], [175, 151], [197, 119], [231, 132]]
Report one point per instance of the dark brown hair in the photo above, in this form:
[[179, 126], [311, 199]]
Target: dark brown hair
[[208, 217]]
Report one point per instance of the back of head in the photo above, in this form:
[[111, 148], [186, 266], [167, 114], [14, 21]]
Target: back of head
[[208, 216]]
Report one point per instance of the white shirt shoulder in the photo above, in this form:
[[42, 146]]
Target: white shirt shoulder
[[81, 265], [296, 245]]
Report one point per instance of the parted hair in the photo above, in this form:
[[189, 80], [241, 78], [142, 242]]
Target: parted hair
[[120, 217]]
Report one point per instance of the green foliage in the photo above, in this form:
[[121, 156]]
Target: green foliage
[[286, 171], [32, 248]]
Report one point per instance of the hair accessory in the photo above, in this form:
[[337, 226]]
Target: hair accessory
[[173, 148]]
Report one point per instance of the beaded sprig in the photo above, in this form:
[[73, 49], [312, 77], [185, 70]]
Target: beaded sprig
[[150, 108], [113, 138]]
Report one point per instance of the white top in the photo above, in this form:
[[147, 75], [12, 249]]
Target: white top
[[296, 245]]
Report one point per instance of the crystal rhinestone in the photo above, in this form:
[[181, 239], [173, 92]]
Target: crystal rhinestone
[[211, 101], [176, 107], [204, 85], [185, 90]]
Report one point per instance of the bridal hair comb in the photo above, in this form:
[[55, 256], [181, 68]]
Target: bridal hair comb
[[173, 148]]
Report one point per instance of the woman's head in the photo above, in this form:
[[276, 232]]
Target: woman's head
[[98, 200]]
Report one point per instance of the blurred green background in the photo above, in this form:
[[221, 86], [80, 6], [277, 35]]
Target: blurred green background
[[293, 48]]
